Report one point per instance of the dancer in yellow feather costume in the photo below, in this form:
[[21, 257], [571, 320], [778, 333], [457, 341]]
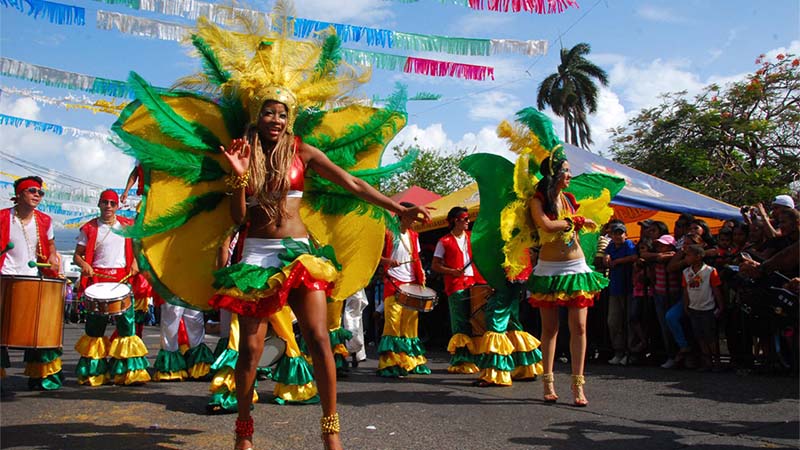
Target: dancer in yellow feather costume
[[520, 211], [237, 156]]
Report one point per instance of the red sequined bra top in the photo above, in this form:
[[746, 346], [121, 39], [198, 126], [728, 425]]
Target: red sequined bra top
[[297, 173]]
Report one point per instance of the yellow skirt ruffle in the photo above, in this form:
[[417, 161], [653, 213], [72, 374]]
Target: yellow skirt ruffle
[[127, 347], [92, 347], [43, 370], [295, 393], [402, 360]]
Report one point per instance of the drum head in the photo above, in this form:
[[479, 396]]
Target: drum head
[[274, 348], [107, 291], [417, 290]]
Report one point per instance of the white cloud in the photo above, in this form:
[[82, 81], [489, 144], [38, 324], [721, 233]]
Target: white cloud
[[610, 114], [493, 106], [433, 137], [659, 14], [794, 48], [97, 161], [640, 86], [486, 141]]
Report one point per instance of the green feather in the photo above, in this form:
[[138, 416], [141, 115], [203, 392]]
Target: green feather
[[330, 56], [190, 134], [541, 125], [214, 71], [307, 120], [189, 166], [176, 216]]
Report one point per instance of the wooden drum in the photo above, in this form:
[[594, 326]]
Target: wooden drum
[[31, 311]]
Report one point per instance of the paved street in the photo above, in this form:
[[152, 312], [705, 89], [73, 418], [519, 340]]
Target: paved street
[[634, 407]]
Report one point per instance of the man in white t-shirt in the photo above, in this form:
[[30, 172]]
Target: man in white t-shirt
[[400, 350], [105, 256], [28, 248], [453, 259]]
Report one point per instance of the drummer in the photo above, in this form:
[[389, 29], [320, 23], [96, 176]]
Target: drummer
[[27, 239], [400, 350], [453, 259], [105, 256]]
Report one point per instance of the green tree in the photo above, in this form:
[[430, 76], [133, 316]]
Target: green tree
[[432, 170], [572, 94], [740, 144]]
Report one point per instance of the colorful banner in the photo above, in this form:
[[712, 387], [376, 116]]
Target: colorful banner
[[55, 13], [303, 28], [44, 127], [531, 6], [68, 102], [140, 26], [67, 80]]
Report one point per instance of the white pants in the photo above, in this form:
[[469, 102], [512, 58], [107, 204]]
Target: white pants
[[352, 322], [170, 322]]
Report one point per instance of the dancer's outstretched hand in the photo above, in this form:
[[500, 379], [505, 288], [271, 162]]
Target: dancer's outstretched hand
[[238, 155]]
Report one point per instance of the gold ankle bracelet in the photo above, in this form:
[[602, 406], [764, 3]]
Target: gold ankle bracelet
[[330, 424]]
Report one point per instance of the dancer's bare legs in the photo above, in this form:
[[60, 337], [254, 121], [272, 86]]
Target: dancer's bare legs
[[577, 347], [252, 331], [310, 307], [549, 335]]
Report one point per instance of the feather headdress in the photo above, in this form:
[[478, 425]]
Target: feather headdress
[[252, 62]]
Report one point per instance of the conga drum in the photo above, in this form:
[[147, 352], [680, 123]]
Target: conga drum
[[478, 296], [31, 311]]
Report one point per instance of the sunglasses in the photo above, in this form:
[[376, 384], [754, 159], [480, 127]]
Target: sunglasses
[[33, 190], [108, 202]]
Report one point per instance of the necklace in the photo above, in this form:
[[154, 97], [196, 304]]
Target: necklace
[[31, 247], [110, 226]]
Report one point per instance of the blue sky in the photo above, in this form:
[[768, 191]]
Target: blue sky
[[647, 47]]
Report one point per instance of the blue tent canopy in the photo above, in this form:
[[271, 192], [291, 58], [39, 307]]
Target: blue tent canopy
[[648, 192]]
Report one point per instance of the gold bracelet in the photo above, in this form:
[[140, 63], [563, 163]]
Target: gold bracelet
[[330, 424], [237, 181]]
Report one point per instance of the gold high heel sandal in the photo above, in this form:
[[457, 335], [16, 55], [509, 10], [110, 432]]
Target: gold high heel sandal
[[548, 381], [577, 390]]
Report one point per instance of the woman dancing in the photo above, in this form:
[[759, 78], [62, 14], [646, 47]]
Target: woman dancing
[[561, 276]]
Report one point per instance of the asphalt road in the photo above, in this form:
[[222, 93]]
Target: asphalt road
[[640, 407]]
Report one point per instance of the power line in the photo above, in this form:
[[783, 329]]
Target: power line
[[47, 173]]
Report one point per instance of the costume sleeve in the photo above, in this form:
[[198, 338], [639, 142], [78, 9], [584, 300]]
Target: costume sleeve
[[439, 252]]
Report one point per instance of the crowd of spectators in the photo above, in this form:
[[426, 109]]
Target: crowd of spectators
[[679, 294]]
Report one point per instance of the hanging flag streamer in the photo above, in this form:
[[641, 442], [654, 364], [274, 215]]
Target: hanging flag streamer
[[68, 80], [44, 127], [531, 6], [162, 30], [55, 13], [303, 28], [68, 102]]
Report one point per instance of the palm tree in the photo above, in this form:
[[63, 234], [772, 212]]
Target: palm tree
[[572, 94]]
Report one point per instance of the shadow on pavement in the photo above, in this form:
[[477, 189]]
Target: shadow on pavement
[[87, 436]]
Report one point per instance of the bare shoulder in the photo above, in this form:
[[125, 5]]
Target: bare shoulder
[[308, 152]]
